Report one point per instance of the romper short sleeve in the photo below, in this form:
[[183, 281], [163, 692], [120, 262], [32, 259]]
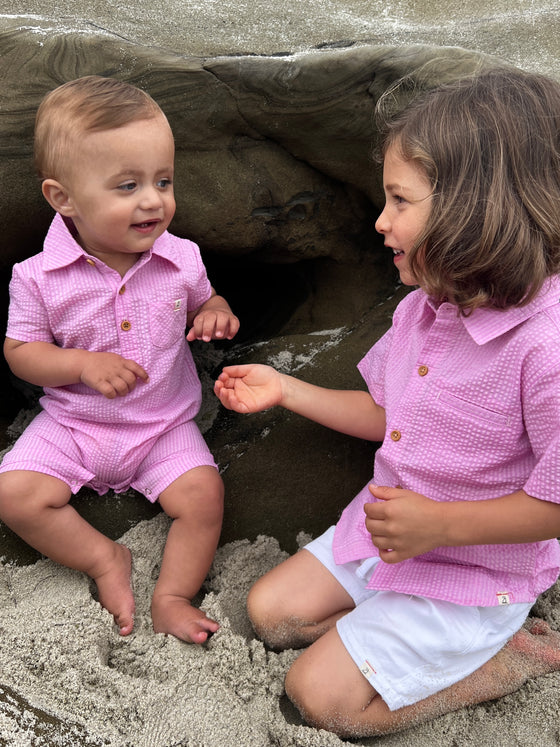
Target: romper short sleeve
[[28, 318]]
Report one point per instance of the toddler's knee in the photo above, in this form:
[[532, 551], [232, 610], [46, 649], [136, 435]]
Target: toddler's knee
[[18, 501]]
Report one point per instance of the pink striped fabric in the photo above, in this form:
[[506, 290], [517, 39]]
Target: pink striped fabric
[[473, 412]]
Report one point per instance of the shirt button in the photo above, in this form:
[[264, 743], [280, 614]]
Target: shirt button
[[125, 325], [422, 370], [122, 289], [395, 435], [90, 262]]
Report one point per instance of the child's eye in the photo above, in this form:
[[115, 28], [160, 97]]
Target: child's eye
[[164, 183], [127, 186]]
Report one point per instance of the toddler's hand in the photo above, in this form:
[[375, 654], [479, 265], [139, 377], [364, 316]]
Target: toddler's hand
[[213, 324], [111, 374], [249, 388], [403, 524]]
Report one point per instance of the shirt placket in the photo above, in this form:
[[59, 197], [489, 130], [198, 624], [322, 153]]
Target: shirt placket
[[428, 363]]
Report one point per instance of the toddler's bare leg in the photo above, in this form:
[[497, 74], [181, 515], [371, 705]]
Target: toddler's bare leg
[[328, 689], [195, 503], [296, 602], [36, 507]]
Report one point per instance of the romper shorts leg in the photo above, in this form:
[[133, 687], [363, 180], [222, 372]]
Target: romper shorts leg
[[175, 452], [410, 647], [50, 448]]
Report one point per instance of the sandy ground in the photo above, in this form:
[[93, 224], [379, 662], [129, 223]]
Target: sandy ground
[[63, 655]]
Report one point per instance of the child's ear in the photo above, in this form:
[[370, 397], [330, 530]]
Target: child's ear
[[57, 196]]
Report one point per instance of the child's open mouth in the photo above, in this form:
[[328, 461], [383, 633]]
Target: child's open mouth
[[146, 226]]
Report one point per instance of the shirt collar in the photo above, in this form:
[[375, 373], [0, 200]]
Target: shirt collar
[[485, 324], [61, 249]]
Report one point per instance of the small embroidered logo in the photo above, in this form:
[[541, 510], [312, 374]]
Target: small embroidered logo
[[503, 597], [366, 669], [177, 305]]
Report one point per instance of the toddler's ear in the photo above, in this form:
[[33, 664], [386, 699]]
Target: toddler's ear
[[57, 196]]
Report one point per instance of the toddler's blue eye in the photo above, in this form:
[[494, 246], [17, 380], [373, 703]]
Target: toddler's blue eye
[[163, 183], [128, 187]]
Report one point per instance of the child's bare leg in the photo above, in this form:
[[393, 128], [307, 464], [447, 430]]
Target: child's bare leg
[[36, 507], [195, 503], [328, 689], [296, 602]]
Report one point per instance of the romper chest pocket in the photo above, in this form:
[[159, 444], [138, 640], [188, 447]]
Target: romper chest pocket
[[168, 321]]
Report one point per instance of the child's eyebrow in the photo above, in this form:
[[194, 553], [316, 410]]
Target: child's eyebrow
[[395, 188]]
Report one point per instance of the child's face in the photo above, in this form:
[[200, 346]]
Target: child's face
[[120, 190], [408, 200]]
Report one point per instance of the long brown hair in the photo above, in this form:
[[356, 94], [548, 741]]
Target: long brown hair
[[490, 146]]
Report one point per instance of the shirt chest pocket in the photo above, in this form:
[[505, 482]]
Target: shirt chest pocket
[[472, 411], [168, 321]]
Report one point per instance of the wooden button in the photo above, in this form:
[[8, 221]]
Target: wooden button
[[125, 325], [395, 435], [90, 262], [122, 289], [423, 370]]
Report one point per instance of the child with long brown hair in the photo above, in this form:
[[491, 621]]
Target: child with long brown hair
[[414, 604]]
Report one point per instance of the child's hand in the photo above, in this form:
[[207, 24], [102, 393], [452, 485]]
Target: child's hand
[[249, 388], [403, 524], [213, 324], [110, 374]]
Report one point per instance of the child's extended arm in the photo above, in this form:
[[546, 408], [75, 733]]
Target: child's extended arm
[[45, 364], [252, 388], [405, 524], [213, 320]]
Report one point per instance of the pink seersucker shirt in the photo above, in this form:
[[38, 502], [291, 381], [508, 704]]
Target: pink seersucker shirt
[[473, 413], [67, 297]]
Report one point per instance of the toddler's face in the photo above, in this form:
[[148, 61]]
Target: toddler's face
[[408, 201], [120, 190]]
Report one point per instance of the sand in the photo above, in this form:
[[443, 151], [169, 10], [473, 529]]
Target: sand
[[65, 659]]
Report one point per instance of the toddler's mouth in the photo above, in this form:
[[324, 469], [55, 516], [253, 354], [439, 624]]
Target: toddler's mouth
[[146, 225]]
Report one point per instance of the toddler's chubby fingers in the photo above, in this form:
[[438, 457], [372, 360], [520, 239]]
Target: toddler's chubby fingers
[[137, 370]]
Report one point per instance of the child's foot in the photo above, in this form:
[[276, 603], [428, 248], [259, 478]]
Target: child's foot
[[176, 616], [115, 591], [537, 648]]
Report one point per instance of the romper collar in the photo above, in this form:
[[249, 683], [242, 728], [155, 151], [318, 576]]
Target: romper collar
[[61, 249]]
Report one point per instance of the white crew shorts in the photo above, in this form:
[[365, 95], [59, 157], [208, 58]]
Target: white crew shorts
[[410, 647]]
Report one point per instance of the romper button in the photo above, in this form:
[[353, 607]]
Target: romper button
[[423, 370], [125, 325], [395, 435], [122, 289], [90, 262]]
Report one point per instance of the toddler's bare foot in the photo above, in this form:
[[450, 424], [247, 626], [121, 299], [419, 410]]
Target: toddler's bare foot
[[176, 616], [115, 590]]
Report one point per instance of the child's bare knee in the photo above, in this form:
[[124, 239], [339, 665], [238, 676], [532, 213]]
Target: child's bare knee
[[267, 620], [21, 496]]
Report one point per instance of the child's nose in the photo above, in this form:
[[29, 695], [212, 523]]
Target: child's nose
[[151, 198], [382, 224]]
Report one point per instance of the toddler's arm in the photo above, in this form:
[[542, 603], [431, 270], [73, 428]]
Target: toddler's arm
[[213, 320], [252, 388], [45, 364], [404, 524]]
